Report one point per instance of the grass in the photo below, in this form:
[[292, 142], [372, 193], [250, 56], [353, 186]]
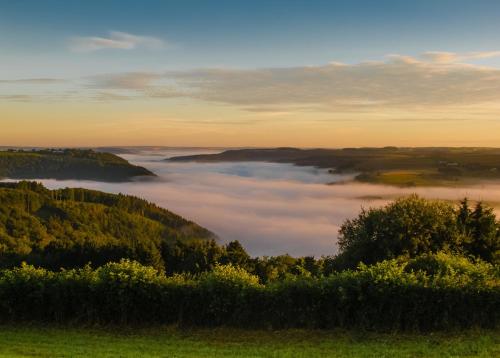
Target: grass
[[51, 341], [414, 178]]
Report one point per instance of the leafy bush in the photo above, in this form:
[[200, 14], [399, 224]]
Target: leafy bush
[[446, 266], [224, 295], [390, 295]]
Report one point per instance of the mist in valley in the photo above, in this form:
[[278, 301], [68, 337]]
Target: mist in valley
[[270, 208]]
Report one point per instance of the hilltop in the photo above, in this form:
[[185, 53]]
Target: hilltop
[[65, 164]]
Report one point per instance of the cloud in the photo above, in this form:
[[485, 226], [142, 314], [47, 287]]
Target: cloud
[[440, 57], [434, 80], [128, 81], [107, 96], [115, 40], [436, 83], [449, 57], [35, 81], [16, 98], [399, 82]]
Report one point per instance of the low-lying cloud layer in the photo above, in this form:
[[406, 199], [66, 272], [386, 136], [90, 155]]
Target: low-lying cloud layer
[[271, 208]]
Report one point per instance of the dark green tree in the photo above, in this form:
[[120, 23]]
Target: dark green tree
[[407, 227], [235, 254]]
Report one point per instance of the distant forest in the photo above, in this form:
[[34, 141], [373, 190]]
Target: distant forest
[[81, 164]]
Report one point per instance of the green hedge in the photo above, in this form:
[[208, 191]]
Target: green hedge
[[386, 296]]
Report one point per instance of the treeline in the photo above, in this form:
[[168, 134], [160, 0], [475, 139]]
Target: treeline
[[73, 227], [81, 164], [430, 292], [407, 228]]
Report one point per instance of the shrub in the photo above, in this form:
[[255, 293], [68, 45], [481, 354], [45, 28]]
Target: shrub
[[224, 296], [124, 286], [443, 266], [426, 293]]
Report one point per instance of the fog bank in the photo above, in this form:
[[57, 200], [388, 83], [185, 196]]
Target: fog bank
[[271, 208]]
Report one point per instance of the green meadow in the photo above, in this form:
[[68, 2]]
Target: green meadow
[[60, 341]]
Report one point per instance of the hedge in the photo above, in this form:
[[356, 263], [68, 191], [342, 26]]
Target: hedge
[[386, 296]]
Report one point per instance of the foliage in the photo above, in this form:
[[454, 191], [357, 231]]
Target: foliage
[[481, 231], [229, 275], [413, 226], [72, 227], [444, 265], [391, 295], [412, 265]]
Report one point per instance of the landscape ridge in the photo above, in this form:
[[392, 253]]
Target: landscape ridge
[[400, 166]]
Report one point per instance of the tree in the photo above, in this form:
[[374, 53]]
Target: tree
[[235, 254], [407, 227], [484, 239]]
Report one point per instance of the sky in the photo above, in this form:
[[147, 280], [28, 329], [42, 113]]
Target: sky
[[250, 73]]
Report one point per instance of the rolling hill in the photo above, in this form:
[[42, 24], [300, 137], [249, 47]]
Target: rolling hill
[[71, 227], [68, 164], [388, 165]]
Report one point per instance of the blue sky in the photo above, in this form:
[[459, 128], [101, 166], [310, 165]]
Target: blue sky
[[243, 61], [244, 33]]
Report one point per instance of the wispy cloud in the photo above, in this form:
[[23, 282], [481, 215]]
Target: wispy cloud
[[16, 98], [450, 57], [436, 79], [40, 81], [127, 81], [115, 40], [107, 96], [433, 81]]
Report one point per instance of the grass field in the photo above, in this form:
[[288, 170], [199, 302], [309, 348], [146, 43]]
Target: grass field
[[39, 341], [412, 178]]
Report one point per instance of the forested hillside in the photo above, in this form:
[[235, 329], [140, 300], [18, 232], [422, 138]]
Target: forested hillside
[[71, 227], [67, 164]]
